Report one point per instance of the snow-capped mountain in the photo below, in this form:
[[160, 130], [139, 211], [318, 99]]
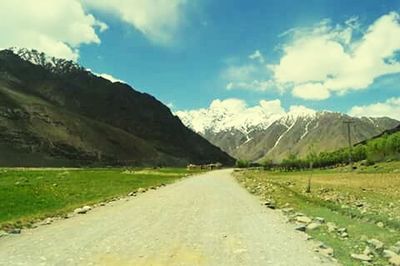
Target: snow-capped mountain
[[257, 134]]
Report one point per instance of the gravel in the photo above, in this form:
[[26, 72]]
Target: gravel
[[206, 219]]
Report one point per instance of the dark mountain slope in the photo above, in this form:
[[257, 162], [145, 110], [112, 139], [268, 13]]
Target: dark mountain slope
[[66, 114]]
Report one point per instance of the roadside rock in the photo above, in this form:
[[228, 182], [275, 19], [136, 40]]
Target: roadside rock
[[47, 221], [15, 231], [313, 226], [301, 228], [361, 257], [287, 210], [141, 190], [303, 219], [319, 220], [131, 194], [82, 210], [270, 204], [3, 233]]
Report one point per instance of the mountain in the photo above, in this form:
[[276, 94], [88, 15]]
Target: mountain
[[54, 112], [259, 136]]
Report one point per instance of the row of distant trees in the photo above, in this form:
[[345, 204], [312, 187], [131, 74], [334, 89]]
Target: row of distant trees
[[386, 147]]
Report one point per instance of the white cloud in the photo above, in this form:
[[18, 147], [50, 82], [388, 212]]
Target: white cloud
[[389, 108], [326, 59], [258, 56], [56, 27], [246, 77], [159, 20], [311, 91], [235, 113]]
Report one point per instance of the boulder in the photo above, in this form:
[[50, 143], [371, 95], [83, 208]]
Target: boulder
[[82, 210], [395, 260], [361, 257], [389, 254], [303, 219], [301, 228], [141, 190], [313, 226]]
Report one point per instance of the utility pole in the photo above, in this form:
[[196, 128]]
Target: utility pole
[[348, 123]]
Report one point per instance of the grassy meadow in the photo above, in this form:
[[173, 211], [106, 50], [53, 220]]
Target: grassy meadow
[[366, 202], [28, 195]]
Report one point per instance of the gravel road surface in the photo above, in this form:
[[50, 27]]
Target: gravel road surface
[[206, 219]]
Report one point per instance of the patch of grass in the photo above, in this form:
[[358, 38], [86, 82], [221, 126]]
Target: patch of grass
[[27, 195], [354, 200]]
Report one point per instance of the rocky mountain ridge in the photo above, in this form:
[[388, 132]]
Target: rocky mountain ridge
[[55, 112]]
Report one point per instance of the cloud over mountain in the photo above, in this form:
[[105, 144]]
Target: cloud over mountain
[[326, 59], [156, 19], [56, 27]]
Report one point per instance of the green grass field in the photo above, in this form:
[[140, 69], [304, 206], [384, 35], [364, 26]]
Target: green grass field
[[28, 195], [355, 200]]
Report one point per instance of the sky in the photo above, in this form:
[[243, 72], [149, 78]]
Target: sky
[[338, 55]]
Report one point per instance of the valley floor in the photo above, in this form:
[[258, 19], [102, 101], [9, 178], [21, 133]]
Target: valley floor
[[206, 219]]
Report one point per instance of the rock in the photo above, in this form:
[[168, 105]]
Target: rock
[[395, 260], [395, 249], [141, 190], [313, 226], [376, 244], [319, 220], [344, 235], [82, 210], [380, 224], [331, 227], [47, 221], [15, 231], [3, 233], [301, 228], [102, 204], [367, 251], [131, 194], [389, 254], [361, 257], [270, 204], [303, 219], [342, 230], [287, 210]]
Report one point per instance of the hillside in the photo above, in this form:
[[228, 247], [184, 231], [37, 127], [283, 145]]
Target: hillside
[[54, 112], [275, 137]]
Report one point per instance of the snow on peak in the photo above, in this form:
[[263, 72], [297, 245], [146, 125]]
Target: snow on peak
[[53, 64], [223, 115]]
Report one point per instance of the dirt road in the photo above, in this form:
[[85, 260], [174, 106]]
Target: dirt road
[[203, 220]]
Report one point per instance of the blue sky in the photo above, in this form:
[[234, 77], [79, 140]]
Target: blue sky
[[189, 53]]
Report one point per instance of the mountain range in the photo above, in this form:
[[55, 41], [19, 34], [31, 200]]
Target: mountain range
[[258, 136], [54, 112]]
